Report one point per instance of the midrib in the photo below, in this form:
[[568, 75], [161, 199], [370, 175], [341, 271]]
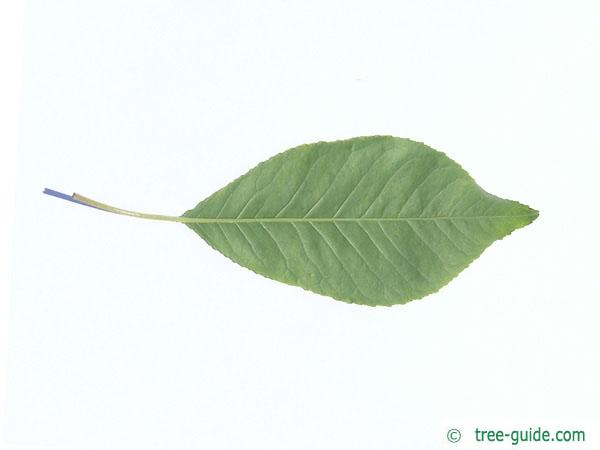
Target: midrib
[[337, 219]]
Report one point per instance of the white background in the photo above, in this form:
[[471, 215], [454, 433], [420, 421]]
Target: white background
[[134, 334]]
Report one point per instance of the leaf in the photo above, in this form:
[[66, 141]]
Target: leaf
[[371, 220]]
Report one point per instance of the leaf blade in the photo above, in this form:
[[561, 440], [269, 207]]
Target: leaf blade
[[373, 220]]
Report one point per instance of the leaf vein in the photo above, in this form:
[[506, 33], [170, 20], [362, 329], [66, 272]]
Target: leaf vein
[[347, 272], [359, 181], [425, 277], [377, 277]]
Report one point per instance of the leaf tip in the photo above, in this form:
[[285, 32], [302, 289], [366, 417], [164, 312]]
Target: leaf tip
[[532, 213]]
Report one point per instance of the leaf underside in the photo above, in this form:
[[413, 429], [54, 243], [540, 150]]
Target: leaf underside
[[372, 220]]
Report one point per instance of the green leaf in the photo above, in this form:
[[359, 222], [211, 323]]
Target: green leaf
[[371, 220]]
